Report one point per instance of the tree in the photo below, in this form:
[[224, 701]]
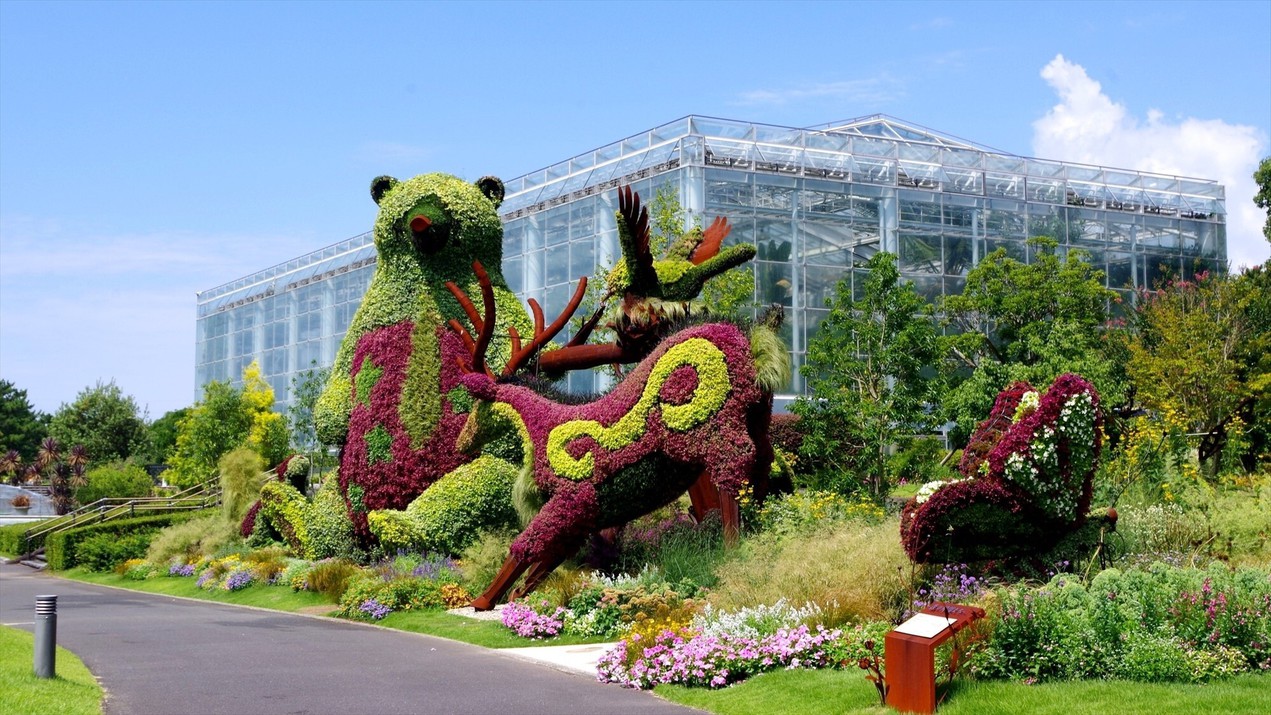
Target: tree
[[1027, 321], [21, 426], [226, 418], [306, 387], [163, 435], [868, 372], [1263, 198], [1198, 353], [104, 420]]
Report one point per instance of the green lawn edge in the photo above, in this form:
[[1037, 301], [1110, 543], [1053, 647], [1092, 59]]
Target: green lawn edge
[[805, 692], [73, 690]]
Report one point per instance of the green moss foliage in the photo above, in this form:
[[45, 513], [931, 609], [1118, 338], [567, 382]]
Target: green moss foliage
[[448, 516]]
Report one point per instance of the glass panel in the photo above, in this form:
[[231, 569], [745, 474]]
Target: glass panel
[[720, 128], [957, 254], [920, 253], [556, 226], [773, 283], [1011, 185], [773, 239], [919, 207], [557, 264], [582, 259], [826, 242], [819, 284], [876, 171]]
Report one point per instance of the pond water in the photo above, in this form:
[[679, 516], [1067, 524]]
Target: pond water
[[40, 504]]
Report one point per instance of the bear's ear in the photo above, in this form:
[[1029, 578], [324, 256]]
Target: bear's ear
[[492, 187], [380, 186]]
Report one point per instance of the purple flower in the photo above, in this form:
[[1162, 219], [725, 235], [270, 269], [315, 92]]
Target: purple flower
[[374, 609]]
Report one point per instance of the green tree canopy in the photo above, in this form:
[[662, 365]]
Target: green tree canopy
[[870, 380], [21, 426], [1263, 198], [1198, 354], [163, 435], [116, 480], [104, 420], [1027, 321], [226, 418]]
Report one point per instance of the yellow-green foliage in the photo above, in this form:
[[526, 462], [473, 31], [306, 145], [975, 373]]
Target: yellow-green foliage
[[330, 531], [226, 418], [286, 509], [449, 514], [241, 477], [772, 359], [192, 540], [712, 389], [851, 569], [812, 509]]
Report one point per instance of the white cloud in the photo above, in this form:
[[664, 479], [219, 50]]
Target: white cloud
[[874, 90], [1089, 127]]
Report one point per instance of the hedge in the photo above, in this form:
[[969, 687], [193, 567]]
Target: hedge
[[59, 548], [11, 541]]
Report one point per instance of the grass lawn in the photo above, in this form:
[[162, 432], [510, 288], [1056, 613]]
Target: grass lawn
[[73, 692], [846, 692], [806, 692]]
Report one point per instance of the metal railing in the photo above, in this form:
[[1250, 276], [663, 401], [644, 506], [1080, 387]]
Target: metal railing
[[200, 496]]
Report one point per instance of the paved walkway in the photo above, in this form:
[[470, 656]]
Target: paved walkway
[[157, 655]]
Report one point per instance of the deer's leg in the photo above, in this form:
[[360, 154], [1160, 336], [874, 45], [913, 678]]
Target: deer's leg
[[511, 571], [540, 571], [704, 496], [730, 510]]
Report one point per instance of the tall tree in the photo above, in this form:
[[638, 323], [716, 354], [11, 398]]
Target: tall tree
[[306, 387], [104, 420], [1199, 352], [1027, 321], [21, 426], [870, 380], [1263, 198], [163, 435], [226, 418]]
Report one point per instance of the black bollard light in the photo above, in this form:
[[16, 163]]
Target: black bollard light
[[45, 636]]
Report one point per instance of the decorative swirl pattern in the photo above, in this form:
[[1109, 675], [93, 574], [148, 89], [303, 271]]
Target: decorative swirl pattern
[[712, 390]]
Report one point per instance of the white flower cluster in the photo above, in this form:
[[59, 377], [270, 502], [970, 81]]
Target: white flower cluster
[[753, 622], [926, 490], [1040, 473]]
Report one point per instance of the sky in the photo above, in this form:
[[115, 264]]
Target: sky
[[152, 150]]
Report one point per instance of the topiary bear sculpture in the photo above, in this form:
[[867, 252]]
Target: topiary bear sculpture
[[393, 400]]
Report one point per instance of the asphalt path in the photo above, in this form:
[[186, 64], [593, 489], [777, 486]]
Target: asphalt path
[[158, 655]]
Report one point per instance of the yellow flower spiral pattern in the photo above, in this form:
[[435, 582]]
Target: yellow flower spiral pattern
[[708, 396]]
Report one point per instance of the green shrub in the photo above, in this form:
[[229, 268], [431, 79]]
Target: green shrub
[[192, 540], [810, 509], [12, 539], [117, 480], [61, 548], [919, 461], [103, 552], [330, 531], [331, 578], [242, 473]]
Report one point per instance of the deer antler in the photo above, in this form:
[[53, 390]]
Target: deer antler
[[483, 325], [521, 354]]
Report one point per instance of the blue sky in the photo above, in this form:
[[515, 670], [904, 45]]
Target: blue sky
[[151, 150]]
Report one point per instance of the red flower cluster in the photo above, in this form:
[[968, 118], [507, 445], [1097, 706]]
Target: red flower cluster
[[368, 482]]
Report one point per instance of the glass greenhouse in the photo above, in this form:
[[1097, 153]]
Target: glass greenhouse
[[816, 202]]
